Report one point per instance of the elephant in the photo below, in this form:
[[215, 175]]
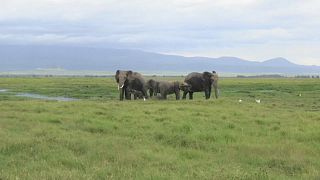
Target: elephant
[[197, 82], [185, 87], [137, 94], [152, 86], [166, 88], [129, 80]]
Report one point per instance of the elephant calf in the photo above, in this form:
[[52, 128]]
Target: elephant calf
[[152, 86], [166, 88], [185, 87], [137, 94]]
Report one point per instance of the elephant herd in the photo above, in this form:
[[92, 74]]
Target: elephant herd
[[133, 83]]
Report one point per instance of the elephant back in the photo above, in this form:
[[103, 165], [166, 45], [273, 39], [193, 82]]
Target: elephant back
[[195, 80], [191, 76], [176, 84]]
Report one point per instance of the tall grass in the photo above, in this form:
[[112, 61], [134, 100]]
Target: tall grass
[[100, 137]]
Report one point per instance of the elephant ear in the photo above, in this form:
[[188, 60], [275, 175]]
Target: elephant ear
[[184, 86], [176, 84], [129, 73], [206, 75], [215, 76], [117, 76], [150, 81]]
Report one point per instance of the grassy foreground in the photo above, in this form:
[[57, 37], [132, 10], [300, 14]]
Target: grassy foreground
[[99, 137]]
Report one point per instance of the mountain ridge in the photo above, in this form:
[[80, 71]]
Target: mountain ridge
[[19, 58], [279, 61]]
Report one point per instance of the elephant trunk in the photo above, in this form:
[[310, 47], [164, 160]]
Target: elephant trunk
[[215, 84], [216, 91], [120, 87], [121, 94], [121, 90], [121, 84]]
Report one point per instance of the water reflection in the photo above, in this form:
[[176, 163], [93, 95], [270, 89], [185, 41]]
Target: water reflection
[[37, 96]]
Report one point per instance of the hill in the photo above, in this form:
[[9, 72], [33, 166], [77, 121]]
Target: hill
[[22, 58]]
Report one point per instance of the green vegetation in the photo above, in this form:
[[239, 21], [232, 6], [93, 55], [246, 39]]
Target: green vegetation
[[99, 137]]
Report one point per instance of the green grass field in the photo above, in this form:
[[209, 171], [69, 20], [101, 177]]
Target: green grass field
[[99, 137]]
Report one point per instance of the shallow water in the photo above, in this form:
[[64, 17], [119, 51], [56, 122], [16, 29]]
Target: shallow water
[[37, 96], [3, 90]]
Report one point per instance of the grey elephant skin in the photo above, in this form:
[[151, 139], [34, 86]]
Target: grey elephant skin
[[200, 82], [136, 94], [152, 86], [166, 88], [129, 80]]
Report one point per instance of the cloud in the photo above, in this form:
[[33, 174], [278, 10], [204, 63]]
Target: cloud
[[257, 29]]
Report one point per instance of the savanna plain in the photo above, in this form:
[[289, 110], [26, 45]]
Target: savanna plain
[[99, 137]]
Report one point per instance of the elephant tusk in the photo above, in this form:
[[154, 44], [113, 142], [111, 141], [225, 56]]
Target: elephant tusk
[[121, 86]]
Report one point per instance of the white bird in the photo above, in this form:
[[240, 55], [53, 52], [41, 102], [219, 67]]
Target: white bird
[[300, 95], [258, 101], [240, 100]]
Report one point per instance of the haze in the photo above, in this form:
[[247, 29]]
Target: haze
[[250, 29]]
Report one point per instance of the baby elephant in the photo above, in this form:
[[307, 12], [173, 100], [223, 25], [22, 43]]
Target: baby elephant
[[166, 88], [137, 94], [152, 86], [185, 87]]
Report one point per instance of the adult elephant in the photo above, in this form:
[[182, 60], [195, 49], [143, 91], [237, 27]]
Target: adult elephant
[[152, 86], [199, 82], [166, 88], [127, 81]]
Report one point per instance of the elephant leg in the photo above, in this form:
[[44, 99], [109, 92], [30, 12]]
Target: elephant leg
[[165, 96], [135, 97], [151, 92], [144, 93], [127, 93], [190, 95], [121, 94], [184, 94], [178, 95], [206, 92], [209, 91], [155, 93]]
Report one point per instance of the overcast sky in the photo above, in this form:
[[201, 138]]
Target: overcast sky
[[249, 29]]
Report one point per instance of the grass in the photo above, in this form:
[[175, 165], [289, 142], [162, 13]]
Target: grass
[[99, 137]]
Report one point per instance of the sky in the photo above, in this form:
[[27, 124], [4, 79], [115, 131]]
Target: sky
[[249, 29]]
